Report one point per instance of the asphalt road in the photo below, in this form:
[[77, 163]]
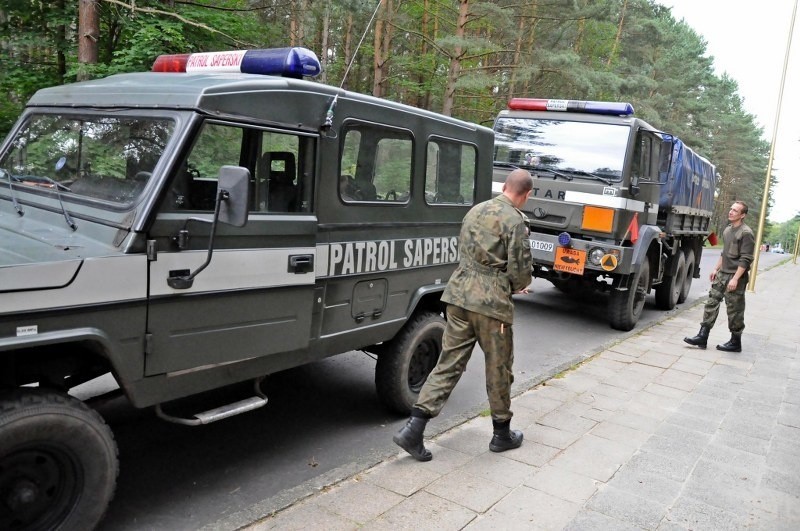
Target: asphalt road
[[324, 421]]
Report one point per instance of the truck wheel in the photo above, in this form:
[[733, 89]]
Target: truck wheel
[[686, 285], [406, 361], [58, 462], [625, 307], [669, 291]]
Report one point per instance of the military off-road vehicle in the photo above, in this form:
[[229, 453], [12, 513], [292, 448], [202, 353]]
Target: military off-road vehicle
[[210, 222], [617, 205]]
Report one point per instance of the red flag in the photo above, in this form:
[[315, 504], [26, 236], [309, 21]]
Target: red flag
[[633, 228], [712, 238]]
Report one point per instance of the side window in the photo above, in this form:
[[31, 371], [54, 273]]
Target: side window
[[280, 164], [645, 165], [450, 169], [375, 164]]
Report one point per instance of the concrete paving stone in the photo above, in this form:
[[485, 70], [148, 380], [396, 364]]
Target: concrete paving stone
[[771, 369], [685, 381], [744, 404], [670, 467], [787, 445], [598, 415], [538, 404], [738, 367], [780, 504], [758, 519], [787, 432], [722, 404], [783, 481], [539, 510], [422, 510], [576, 382], [611, 391], [785, 462], [724, 393], [563, 484], [357, 500], [703, 411], [493, 521], [643, 369], [554, 392], [694, 423], [304, 516], [674, 443], [598, 401], [646, 484], [635, 421], [622, 505], [748, 423], [725, 455], [522, 417], [742, 442], [445, 459], [599, 371], [467, 439], [658, 359], [500, 468], [699, 516], [722, 486], [645, 410], [697, 353], [588, 520], [403, 475], [605, 363], [632, 347], [767, 390], [574, 407], [789, 415], [693, 366], [620, 434], [670, 403], [533, 453], [629, 380], [567, 422], [616, 356], [549, 436], [663, 390], [475, 493], [593, 456]]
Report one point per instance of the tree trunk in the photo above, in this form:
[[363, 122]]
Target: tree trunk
[[615, 46], [379, 61], [455, 59], [88, 35]]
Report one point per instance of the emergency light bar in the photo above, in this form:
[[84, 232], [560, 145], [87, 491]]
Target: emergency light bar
[[593, 107], [287, 62]]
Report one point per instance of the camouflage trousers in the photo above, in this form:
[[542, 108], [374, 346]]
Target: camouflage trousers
[[463, 330], [734, 302]]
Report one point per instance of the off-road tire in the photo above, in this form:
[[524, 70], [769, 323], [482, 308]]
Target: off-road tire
[[669, 291], [405, 362], [625, 307], [58, 462], [687, 282]]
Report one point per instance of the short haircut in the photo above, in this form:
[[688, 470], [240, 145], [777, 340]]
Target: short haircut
[[519, 181], [744, 206]]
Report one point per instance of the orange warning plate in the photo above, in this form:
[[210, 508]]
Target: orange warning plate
[[570, 260]]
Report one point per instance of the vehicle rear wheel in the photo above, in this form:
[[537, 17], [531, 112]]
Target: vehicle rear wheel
[[405, 362], [669, 291], [58, 462], [625, 307], [687, 282]]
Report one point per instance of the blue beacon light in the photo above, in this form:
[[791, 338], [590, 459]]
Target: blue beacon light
[[292, 62], [564, 239]]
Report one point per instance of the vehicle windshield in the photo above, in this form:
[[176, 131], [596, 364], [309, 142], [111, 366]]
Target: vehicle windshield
[[580, 150], [110, 158]]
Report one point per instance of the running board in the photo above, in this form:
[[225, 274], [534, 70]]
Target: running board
[[223, 412]]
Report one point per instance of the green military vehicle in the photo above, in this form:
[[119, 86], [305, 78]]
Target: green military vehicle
[[617, 205], [211, 222]]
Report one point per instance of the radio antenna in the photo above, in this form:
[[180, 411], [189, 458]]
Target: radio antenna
[[358, 47]]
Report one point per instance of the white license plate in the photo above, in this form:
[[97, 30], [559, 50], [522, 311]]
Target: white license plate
[[537, 245]]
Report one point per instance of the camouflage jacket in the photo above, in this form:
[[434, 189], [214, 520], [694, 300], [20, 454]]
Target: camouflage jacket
[[495, 260]]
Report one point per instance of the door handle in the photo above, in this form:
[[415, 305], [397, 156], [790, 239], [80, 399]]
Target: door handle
[[301, 263]]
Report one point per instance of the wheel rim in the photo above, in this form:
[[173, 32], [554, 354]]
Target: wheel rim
[[422, 363], [39, 486], [641, 293]]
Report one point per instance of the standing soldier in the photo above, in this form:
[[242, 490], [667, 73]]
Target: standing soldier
[[495, 263], [728, 281]]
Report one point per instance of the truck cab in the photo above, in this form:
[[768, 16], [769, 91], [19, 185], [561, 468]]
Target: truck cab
[[213, 221], [607, 189]]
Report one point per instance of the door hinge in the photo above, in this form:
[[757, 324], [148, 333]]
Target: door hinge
[[152, 250]]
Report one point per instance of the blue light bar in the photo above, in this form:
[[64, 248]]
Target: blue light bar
[[612, 108], [287, 62]]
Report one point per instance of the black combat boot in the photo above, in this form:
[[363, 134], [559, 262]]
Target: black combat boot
[[734, 344], [701, 339], [409, 438], [504, 438]]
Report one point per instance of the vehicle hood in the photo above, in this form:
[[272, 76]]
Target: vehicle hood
[[35, 255]]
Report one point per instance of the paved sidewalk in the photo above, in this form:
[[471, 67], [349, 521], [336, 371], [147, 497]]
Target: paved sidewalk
[[648, 434]]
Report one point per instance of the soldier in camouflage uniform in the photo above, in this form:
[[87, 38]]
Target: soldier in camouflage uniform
[[728, 281], [495, 263]]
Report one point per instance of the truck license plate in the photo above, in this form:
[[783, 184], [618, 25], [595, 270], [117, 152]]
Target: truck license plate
[[537, 245], [570, 260]]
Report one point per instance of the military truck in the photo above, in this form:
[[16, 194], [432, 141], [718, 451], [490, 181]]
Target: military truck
[[617, 205], [211, 222]]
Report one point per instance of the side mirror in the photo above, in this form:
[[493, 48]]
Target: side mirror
[[233, 199], [234, 184]]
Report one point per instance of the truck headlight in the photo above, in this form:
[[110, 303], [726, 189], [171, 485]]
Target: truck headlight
[[596, 255]]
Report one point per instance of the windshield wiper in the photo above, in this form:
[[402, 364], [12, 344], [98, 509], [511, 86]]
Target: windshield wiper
[[555, 173], [17, 206], [592, 175], [58, 186], [505, 165]]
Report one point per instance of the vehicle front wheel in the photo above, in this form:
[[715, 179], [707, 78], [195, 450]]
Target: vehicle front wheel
[[625, 307], [669, 291], [58, 462], [405, 362]]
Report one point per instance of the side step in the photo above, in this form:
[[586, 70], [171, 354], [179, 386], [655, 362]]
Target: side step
[[223, 412]]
